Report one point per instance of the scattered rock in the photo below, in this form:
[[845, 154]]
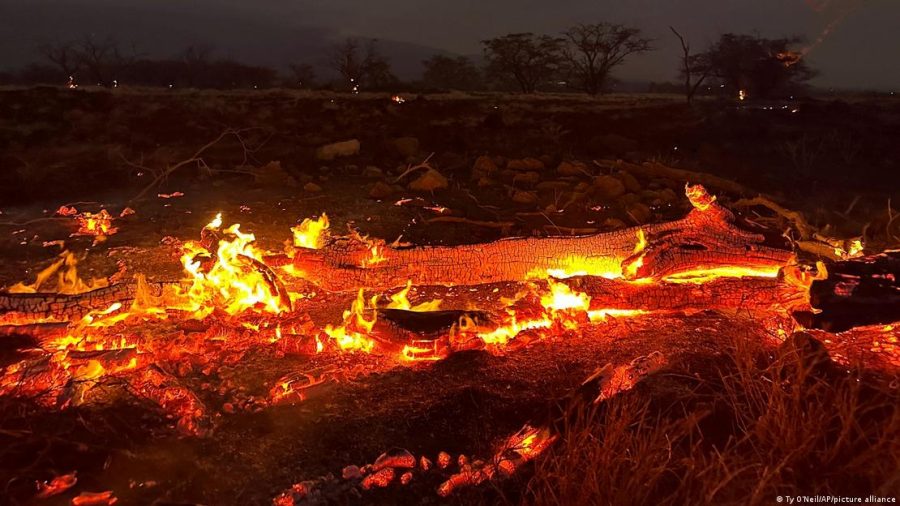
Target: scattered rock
[[484, 166], [639, 212], [351, 473], [273, 174], [329, 152], [312, 187], [525, 164], [553, 186], [628, 199], [396, 458], [572, 169], [484, 182], [582, 187], [528, 178], [523, 197], [372, 171], [613, 224], [667, 195], [406, 146], [381, 190], [609, 187], [430, 181], [631, 183], [801, 353]]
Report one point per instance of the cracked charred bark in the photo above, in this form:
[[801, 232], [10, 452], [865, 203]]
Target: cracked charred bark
[[704, 239]]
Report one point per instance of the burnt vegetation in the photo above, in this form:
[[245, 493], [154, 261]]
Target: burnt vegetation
[[506, 282]]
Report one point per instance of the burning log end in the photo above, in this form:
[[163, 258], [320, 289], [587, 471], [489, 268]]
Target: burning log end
[[857, 292], [430, 322]]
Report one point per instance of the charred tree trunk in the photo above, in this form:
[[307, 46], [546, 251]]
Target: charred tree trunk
[[705, 239], [752, 294], [862, 291], [59, 307]]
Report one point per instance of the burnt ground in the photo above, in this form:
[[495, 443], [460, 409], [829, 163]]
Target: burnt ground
[[96, 149]]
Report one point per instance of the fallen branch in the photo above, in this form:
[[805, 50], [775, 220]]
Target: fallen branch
[[504, 225], [196, 158], [803, 227], [657, 170]]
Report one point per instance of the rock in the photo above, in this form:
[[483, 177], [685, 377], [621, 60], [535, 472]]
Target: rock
[[397, 458], [528, 178], [484, 182], [406, 146], [373, 172], [329, 152], [523, 197], [802, 353], [484, 166], [553, 186], [273, 174], [525, 164], [582, 187], [667, 195], [631, 183], [351, 473], [312, 187], [613, 224], [430, 181], [381, 190], [626, 200], [616, 144], [609, 187], [572, 169], [639, 212]]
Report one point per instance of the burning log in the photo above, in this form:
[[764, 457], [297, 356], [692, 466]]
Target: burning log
[[60, 307], [857, 292], [705, 240], [721, 293]]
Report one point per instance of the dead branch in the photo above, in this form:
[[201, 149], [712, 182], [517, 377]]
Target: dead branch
[[196, 158], [410, 169], [477, 223]]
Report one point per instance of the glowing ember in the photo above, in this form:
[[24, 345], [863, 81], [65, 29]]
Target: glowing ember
[[400, 301], [56, 486], [99, 224], [352, 335], [699, 197], [311, 233], [231, 275]]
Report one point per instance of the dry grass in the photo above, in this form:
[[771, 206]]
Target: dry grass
[[758, 426]]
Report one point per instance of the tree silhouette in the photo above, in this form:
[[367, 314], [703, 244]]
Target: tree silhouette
[[593, 51], [526, 59]]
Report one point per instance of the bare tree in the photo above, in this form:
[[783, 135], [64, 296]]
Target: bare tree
[[526, 59], [64, 55], [196, 59], [304, 75], [593, 51], [360, 66], [344, 59], [691, 65], [103, 59]]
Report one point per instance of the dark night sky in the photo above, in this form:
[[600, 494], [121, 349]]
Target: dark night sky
[[862, 52]]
